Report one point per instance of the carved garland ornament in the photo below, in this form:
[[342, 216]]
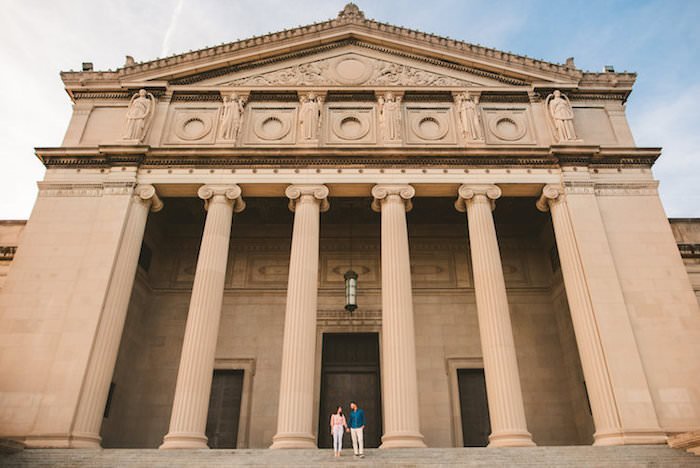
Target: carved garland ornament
[[349, 69]]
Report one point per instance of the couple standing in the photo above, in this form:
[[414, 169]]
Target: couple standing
[[357, 425]]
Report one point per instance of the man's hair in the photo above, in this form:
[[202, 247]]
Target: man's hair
[[353, 402]]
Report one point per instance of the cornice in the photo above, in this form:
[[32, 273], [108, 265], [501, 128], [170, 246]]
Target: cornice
[[347, 42], [491, 156], [357, 27]]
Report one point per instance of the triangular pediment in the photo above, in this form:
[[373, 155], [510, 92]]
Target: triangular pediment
[[349, 66], [348, 51]]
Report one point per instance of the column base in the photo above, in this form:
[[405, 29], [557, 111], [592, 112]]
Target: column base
[[641, 437], [85, 440], [294, 440], [511, 439], [184, 440], [402, 440]]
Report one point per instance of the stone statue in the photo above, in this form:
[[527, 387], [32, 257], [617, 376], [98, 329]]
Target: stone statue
[[561, 116], [139, 115], [390, 116], [231, 117], [469, 117], [310, 116]]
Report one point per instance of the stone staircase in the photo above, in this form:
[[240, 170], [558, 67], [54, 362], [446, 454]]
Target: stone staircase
[[580, 456]]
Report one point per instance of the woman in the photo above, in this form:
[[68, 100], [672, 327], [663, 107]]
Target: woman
[[337, 425]]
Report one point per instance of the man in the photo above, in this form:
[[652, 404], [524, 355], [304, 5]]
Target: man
[[357, 425]]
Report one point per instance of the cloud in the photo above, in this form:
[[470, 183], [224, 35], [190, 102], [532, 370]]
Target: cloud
[[177, 11]]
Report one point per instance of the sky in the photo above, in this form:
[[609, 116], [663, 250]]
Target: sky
[[660, 40]]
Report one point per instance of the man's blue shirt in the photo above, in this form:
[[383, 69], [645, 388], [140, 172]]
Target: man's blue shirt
[[357, 418]]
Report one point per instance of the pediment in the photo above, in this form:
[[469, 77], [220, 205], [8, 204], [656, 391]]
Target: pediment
[[350, 67]]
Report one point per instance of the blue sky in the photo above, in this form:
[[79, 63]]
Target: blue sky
[[660, 40]]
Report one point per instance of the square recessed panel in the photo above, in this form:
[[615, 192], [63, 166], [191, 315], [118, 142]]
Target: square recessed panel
[[269, 125], [429, 125], [193, 125], [508, 125], [350, 125]]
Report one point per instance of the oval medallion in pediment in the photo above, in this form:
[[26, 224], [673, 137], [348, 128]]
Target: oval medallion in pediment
[[351, 69]]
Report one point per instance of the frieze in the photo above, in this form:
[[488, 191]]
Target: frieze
[[623, 189], [579, 188], [349, 69], [520, 98], [197, 97], [341, 317], [124, 95], [117, 188], [50, 189]]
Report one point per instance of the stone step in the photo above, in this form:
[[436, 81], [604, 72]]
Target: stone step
[[624, 457]]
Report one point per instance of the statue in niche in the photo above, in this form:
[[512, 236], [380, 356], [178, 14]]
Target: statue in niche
[[310, 116], [469, 117], [390, 116], [561, 116], [231, 117], [139, 115]]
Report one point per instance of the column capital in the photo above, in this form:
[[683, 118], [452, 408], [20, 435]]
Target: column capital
[[230, 192], [469, 192], [385, 191], [147, 193], [550, 193], [318, 192]]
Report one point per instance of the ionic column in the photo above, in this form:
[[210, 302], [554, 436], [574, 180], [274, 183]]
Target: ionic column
[[399, 380], [295, 412], [93, 397], [505, 397], [189, 414], [600, 391]]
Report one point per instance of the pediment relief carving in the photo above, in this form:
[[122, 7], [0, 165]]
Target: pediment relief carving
[[349, 69]]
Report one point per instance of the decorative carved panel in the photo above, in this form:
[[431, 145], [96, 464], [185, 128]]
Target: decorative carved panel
[[349, 69], [270, 124], [429, 125], [350, 124], [192, 125], [508, 125]]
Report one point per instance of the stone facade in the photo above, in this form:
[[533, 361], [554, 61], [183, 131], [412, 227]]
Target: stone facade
[[162, 247]]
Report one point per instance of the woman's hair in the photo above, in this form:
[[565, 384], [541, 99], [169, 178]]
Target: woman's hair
[[339, 408]]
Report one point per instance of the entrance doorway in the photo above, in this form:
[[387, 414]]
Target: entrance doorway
[[474, 407], [224, 409], [350, 371]]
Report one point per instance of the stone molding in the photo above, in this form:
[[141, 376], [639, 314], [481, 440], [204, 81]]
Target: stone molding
[[468, 192], [371, 155], [209, 193], [382, 192], [297, 191]]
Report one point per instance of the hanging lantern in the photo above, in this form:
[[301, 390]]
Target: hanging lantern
[[350, 290]]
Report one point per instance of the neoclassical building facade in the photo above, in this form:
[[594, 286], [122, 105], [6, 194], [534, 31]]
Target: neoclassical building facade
[[182, 281]]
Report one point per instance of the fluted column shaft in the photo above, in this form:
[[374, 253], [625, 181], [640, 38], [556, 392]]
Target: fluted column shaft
[[93, 397], [399, 380], [598, 384], [295, 411], [189, 414], [505, 397]]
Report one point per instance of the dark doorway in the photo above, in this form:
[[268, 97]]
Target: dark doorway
[[476, 426], [224, 409], [350, 371]]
